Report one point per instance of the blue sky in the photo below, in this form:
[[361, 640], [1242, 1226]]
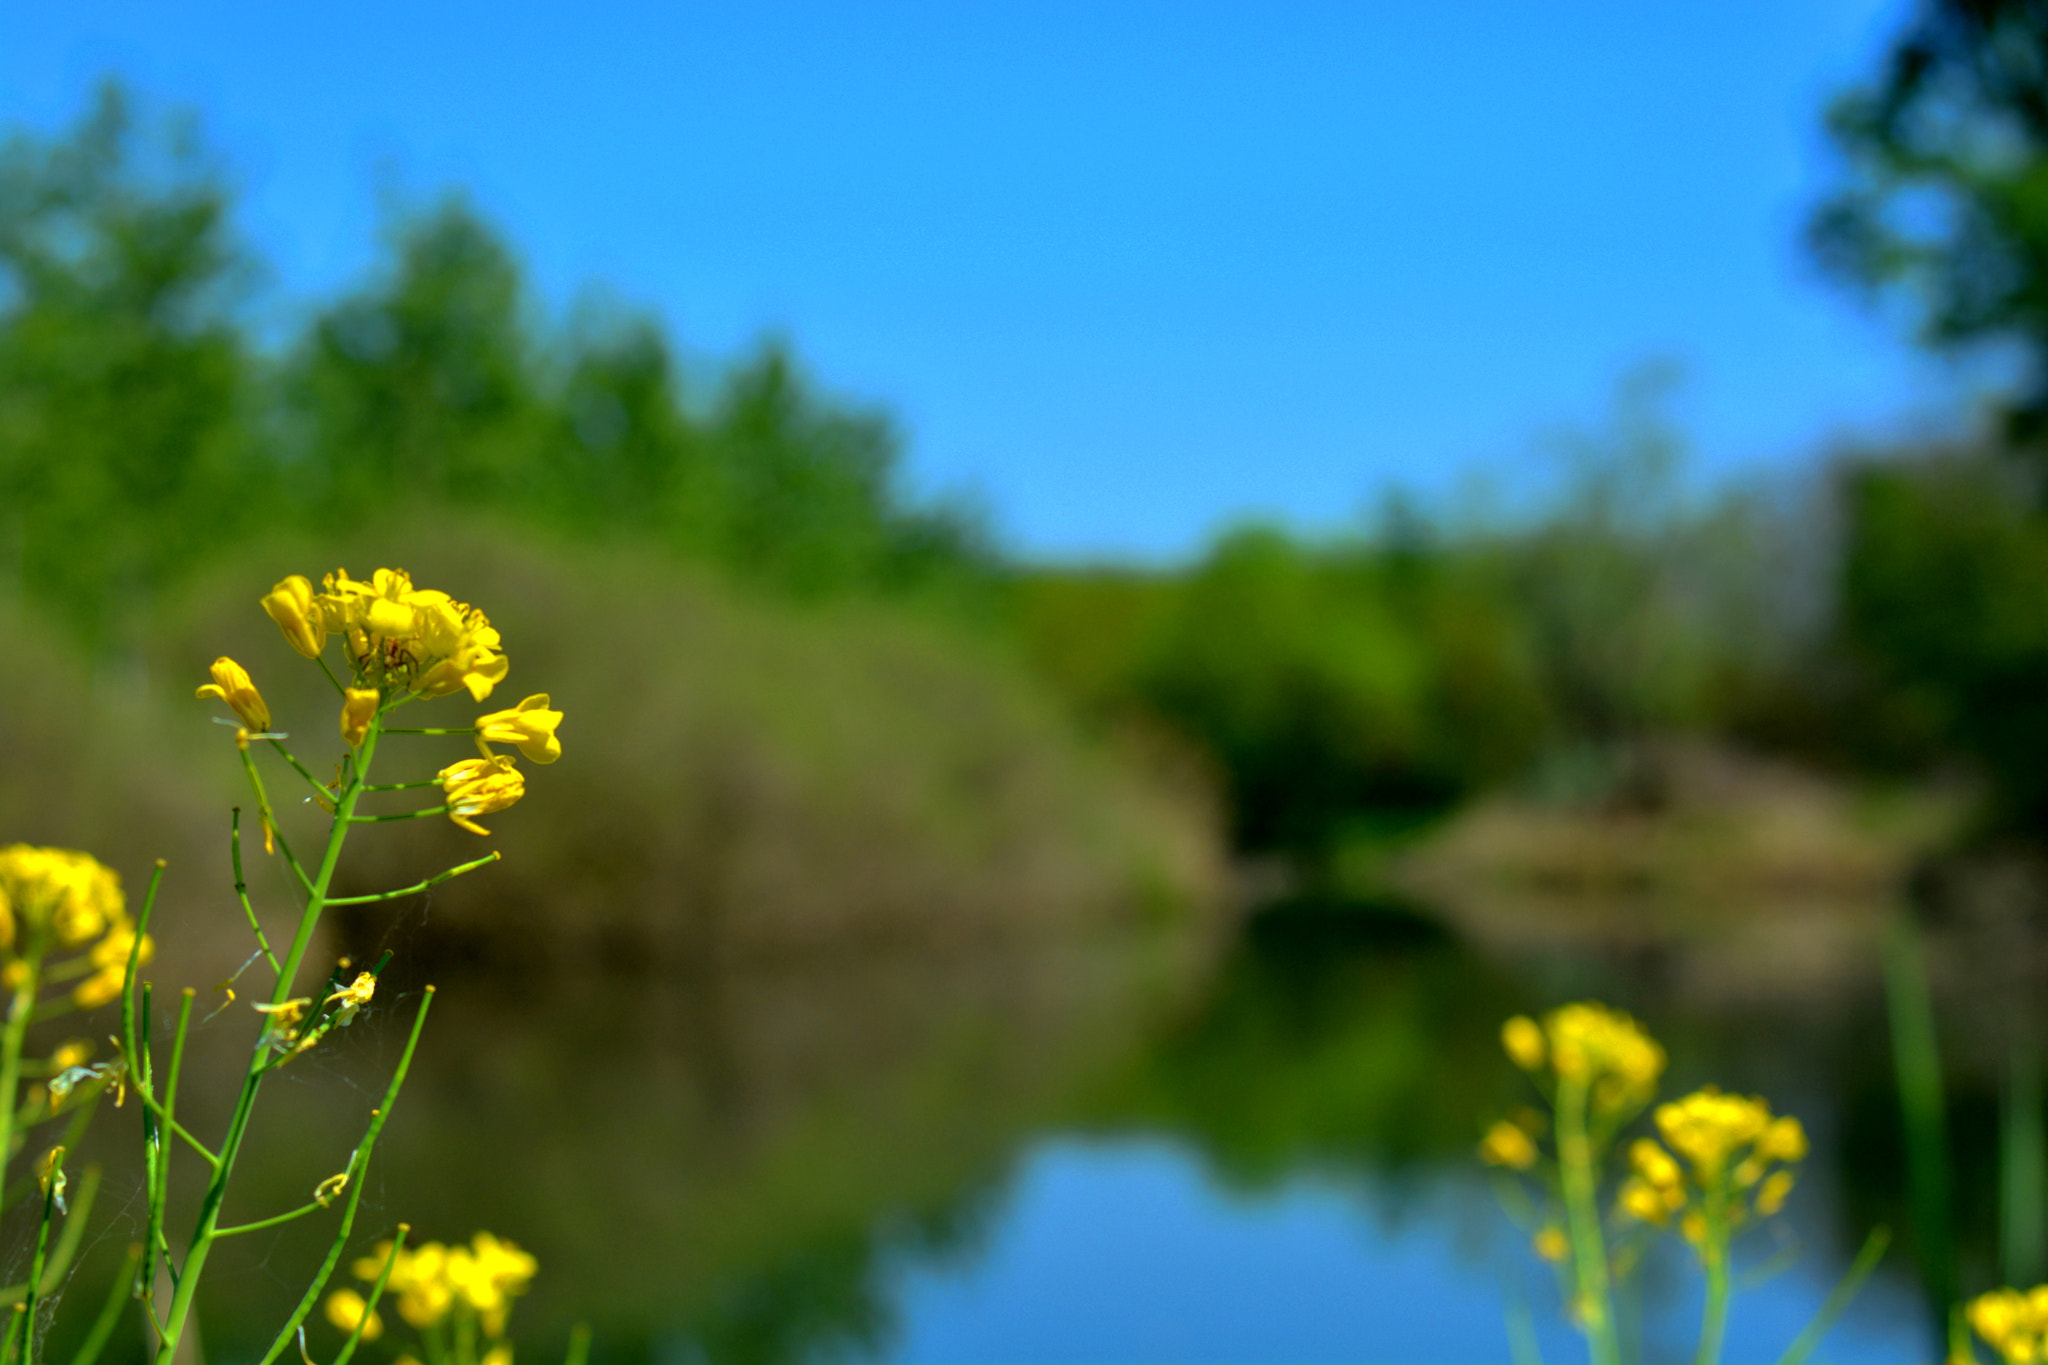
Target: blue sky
[[1125, 272]]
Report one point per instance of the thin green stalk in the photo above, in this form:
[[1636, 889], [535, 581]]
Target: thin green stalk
[[1923, 1107], [242, 887], [274, 1220], [128, 1043], [110, 1311], [1714, 1319], [67, 1241], [348, 1348], [417, 887], [453, 730], [315, 783], [1839, 1298], [35, 1265], [1582, 1215], [2023, 1186], [271, 832], [11, 1040], [357, 1166], [402, 815], [402, 786], [203, 1233]]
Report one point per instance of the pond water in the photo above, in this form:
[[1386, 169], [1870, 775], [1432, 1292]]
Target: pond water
[[1135, 1149]]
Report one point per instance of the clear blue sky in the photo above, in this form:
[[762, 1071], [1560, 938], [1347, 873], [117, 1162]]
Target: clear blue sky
[[1126, 272]]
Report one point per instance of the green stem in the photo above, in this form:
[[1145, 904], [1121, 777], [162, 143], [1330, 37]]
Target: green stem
[[271, 832], [11, 1040], [1714, 1320], [1838, 1300], [463, 730], [205, 1231], [1582, 1213], [402, 815], [418, 887], [402, 786], [1924, 1108], [238, 1229], [242, 887], [348, 1348], [315, 783], [357, 1166], [35, 1265]]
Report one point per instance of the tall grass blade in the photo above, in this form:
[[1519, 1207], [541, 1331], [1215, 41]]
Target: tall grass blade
[[1923, 1108]]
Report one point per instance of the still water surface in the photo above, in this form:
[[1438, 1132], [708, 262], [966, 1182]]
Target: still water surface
[[1136, 1151]]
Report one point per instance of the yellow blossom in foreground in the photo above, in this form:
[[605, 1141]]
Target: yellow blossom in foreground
[[1590, 1045], [1725, 1146], [2012, 1323], [345, 1309], [1507, 1145], [530, 725], [358, 709], [232, 685], [479, 786], [291, 605], [56, 894], [1523, 1039]]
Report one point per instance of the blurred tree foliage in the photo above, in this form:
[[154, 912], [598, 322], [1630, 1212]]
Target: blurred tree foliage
[[140, 425], [1945, 193], [1347, 684], [1944, 573], [125, 384]]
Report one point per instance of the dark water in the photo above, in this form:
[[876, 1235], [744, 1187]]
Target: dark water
[[1128, 1149]]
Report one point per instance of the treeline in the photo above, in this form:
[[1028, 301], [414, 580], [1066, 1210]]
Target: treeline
[[1886, 614], [143, 426]]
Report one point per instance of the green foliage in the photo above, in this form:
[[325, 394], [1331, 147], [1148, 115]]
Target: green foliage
[[123, 378], [1945, 604], [141, 427], [1945, 192]]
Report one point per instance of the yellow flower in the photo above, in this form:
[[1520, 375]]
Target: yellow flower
[[1590, 1045], [530, 725], [423, 640], [353, 997], [358, 709], [1771, 1197], [479, 786], [1551, 1244], [1708, 1127], [231, 684], [346, 1309], [291, 605], [1507, 1145], [1643, 1201], [1523, 1041], [501, 1354], [73, 1052], [69, 896]]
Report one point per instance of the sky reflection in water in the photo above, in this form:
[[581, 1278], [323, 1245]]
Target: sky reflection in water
[[1125, 1251]]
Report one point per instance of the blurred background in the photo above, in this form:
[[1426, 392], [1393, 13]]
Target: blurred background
[[1126, 580]]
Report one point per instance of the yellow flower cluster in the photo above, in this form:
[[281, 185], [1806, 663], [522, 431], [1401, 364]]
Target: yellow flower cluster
[[432, 1280], [1590, 1045], [1729, 1144], [1508, 1144], [394, 635], [2013, 1323], [54, 899]]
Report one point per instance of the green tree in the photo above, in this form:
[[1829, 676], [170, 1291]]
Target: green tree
[[423, 385], [1944, 198], [123, 373]]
